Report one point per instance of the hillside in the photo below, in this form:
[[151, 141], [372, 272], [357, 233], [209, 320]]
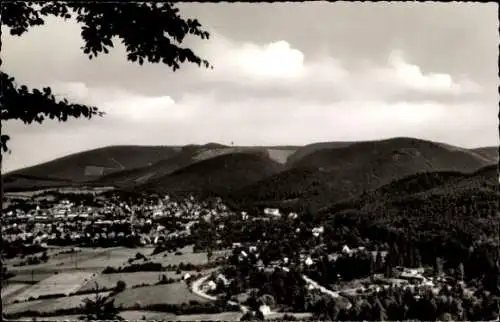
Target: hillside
[[316, 172], [455, 211], [306, 150], [141, 175], [185, 157], [92, 164], [422, 185], [490, 153], [329, 175], [218, 174]]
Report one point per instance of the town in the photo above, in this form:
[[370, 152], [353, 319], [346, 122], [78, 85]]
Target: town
[[268, 265]]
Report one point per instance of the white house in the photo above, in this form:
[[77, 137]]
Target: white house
[[346, 249], [309, 261], [272, 212], [265, 309], [212, 285]]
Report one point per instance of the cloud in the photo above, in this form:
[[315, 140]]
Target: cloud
[[277, 62], [402, 75], [278, 68], [120, 103]]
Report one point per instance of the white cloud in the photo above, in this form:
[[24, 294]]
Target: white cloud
[[275, 62], [400, 74], [116, 102]]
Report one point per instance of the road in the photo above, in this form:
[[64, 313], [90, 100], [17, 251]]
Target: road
[[195, 288], [321, 288]]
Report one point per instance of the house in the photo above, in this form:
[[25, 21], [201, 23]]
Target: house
[[212, 286], [265, 309], [272, 212], [346, 249], [223, 279], [309, 261]]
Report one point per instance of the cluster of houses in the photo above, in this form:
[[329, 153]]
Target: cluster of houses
[[65, 220]]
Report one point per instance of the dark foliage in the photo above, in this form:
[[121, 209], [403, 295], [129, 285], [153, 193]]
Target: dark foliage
[[151, 32], [218, 174], [332, 175]]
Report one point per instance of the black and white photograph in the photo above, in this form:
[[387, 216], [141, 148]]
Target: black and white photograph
[[249, 161]]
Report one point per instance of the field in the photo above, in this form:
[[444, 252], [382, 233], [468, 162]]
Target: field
[[298, 316], [10, 291], [176, 293], [187, 257], [225, 316], [132, 315], [114, 258], [131, 279], [49, 305], [63, 283], [279, 155], [90, 259], [49, 318]]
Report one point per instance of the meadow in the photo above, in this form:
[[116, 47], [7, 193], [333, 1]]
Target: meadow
[[89, 259], [188, 256], [176, 293], [49, 305], [63, 283]]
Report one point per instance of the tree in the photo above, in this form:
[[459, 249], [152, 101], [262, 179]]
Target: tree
[[120, 286], [151, 32], [100, 308]]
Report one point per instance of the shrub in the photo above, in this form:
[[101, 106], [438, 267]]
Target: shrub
[[120, 286]]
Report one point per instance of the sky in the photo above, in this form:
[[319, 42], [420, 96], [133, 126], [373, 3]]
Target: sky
[[284, 73]]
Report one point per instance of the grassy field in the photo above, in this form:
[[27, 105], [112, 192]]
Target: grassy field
[[49, 318], [116, 257], [131, 279], [188, 256], [225, 316], [132, 315], [176, 293], [11, 291], [280, 155], [64, 283], [298, 316], [134, 279], [90, 259], [49, 305]]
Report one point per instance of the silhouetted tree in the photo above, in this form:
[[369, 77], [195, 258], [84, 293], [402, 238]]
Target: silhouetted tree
[[99, 308], [151, 32]]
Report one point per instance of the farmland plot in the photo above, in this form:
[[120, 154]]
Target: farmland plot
[[10, 291], [225, 316], [49, 318], [50, 305], [114, 257], [176, 293], [131, 279], [62, 261], [30, 277], [132, 315], [188, 256], [64, 283]]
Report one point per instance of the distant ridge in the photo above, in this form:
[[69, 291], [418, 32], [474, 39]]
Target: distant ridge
[[316, 173]]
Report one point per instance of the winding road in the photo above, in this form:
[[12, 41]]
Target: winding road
[[196, 289]]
